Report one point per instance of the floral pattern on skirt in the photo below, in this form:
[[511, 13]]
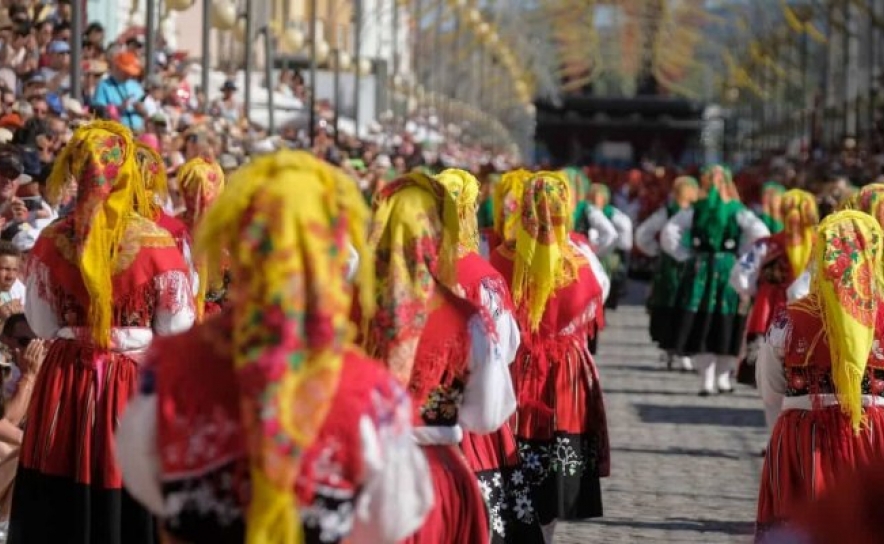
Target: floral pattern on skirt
[[563, 475]]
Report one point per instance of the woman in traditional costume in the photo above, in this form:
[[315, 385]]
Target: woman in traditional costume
[[666, 282], [579, 183], [771, 206], [493, 457], [768, 269], [504, 203], [101, 283], [560, 425], [615, 258], [432, 333], [823, 364], [200, 182], [707, 239], [156, 192], [296, 431]]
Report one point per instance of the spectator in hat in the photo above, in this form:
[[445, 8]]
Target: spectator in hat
[[93, 71], [120, 95], [57, 73], [227, 106]]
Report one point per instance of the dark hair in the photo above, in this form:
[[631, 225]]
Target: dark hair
[[22, 30], [12, 322], [7, 249], [61, 27]]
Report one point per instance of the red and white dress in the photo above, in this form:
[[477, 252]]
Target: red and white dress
[[455, 385], [68, 471], [560, 425], [765, 274], [812, 445], [183, 451], [494, 457]]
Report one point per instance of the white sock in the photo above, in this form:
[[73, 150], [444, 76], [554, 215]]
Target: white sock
[[724, 365], [686, 363], [705, 363], [548, 531]]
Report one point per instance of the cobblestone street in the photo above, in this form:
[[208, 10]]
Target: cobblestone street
[[684, 468]]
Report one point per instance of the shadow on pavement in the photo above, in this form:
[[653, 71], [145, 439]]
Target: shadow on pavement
[[684, 524], [720, 416], [705, 453]]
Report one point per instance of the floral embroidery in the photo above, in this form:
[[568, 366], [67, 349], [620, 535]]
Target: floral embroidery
[[509, 503], [843, 264], [441, 406]]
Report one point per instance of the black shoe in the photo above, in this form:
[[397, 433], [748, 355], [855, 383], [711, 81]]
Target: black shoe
[[704, 393], [764, 452], [726, 391]]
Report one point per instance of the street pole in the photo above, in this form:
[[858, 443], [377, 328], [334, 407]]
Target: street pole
[[336, 91], [357, 62], [204, 79], [312, 127], [247, 73], [77, 49], [150, 39], [394, 33], [268, 77]]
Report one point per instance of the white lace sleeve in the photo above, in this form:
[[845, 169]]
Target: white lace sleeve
[[673, 235], [194, 275], [38, 311], [623, 224], [769, 371], [136, 441], [602, 233], [752, 227], [397, 493], [175, 310], [596, 266], [646, 233], [488, 398], [800, 287], [744, 276]]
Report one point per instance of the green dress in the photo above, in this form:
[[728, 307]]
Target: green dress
[[711, 318], [666, 288]]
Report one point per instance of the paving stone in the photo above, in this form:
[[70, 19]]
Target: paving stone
[[683, 468]]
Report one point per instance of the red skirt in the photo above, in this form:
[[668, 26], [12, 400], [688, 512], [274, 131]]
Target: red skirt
[[458, 514], [561, 429], [68, 470], [809, 452], [71, 422]]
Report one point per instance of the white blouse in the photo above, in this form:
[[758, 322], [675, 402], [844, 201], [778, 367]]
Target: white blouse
[[488, 398], [672, 237], [646, 233], [175, 315], [596, 266], [623, 224], [602, 232]]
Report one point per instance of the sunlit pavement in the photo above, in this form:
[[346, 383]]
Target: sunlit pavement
[[684, 468]]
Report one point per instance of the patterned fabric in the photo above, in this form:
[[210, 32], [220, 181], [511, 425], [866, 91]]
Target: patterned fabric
[[869, 199], [415, 234], [844, 293], [544, 259], [101, 158], [201, 181], [506, 197], [153, 177], [284, 227], [463, 187], [800, 213]]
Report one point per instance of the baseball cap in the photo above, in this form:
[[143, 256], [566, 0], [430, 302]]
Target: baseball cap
[[59, 46]]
